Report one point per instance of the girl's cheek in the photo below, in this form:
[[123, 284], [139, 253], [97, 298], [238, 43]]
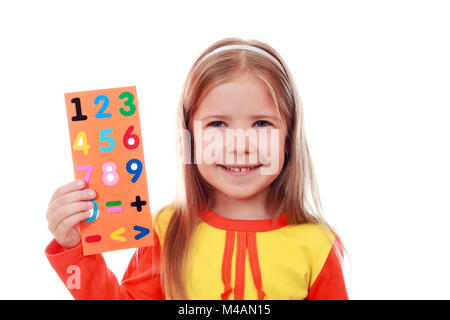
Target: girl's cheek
[[209, 146], [268, 144], [271, 152]]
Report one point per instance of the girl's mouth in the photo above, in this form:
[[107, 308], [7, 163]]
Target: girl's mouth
[[239, 171]]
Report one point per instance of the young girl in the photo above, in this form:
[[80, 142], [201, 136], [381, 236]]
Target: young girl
[[242, 225]]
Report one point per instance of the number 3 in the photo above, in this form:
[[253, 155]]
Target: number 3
[[128, 103]]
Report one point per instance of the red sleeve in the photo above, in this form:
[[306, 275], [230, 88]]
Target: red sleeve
[[330, 283], [87, 277]]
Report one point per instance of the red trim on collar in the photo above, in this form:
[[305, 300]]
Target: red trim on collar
[[217, 221]]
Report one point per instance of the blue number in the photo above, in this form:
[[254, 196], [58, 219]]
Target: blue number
[[101, 113], [136, 171], [94, 214], [110, 140]]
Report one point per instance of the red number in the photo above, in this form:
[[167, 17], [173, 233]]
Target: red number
[[131, 141]]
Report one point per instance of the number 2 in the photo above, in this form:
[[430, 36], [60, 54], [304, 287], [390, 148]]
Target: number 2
[[101, 113]]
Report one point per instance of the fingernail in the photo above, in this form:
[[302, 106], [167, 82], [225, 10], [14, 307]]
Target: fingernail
[[91, 193], [80, 183]]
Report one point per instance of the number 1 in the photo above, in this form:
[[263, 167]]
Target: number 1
[[80, 116]]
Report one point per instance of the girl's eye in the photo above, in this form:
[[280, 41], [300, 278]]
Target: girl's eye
[[262, 123], [216, 123]]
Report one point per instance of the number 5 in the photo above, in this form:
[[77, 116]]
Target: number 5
[[104, 138]]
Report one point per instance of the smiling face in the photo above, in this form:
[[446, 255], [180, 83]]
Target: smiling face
[[241, 107]]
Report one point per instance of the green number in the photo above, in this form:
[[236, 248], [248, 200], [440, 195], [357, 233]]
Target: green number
[[128, 103]]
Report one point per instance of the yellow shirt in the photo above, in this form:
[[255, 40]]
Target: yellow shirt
[[259, 259]]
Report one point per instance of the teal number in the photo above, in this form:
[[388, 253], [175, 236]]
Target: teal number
[[105, 138], [94, 215]]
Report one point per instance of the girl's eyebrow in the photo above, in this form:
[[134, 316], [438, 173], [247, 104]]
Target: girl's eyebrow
[[224, 116], [258, 116], [262, 116]]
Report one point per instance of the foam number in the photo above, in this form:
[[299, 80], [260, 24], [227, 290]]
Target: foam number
[[130, 141], [101, 113], [128, 103], [80, 116], [94, 214], [104, 138], [80, 143], [88, 168], [134, 166], [110, 176]]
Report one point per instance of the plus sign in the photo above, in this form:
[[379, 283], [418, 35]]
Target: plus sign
[[138, 203]]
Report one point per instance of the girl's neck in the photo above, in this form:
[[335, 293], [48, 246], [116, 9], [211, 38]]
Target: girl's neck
[[253, 208]]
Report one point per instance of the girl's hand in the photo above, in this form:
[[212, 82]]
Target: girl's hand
[[68, 206]]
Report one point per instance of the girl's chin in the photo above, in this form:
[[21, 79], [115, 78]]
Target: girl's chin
[[243, 192]]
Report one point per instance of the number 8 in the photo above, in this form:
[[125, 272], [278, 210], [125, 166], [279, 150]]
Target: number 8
[[110, 176]]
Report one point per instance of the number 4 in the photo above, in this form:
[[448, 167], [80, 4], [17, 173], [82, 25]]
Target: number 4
[[80, 143]]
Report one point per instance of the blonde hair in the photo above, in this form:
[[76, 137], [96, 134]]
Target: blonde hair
[[294, 190]]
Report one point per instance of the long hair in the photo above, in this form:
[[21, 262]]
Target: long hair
[[295, 189]]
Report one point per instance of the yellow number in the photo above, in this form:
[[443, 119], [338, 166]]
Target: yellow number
[[81, 143]]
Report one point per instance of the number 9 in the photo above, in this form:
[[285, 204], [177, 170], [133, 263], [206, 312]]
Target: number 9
[[136, 169]]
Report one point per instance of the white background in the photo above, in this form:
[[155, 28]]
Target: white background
[[373, 77]]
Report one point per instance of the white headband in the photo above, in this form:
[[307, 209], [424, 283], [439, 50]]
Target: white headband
[[243, 47]]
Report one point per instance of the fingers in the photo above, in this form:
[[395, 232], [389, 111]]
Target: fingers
[[62, 213], [71, 186], [70, 197], [62, 230]]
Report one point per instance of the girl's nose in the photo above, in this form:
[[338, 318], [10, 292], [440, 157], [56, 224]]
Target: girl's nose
[[241, 144]]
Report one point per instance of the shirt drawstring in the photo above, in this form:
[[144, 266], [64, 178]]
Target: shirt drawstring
[[226, 264], [254, 264], [245, 241]]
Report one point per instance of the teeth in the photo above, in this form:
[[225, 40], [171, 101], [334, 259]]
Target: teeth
[[239, 169]]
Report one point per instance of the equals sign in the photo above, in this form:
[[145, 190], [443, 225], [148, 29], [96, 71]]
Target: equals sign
[[114, 206]]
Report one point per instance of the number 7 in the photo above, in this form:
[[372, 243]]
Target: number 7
[[88, 168]]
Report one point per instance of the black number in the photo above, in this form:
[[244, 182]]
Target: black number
[[80, 116]]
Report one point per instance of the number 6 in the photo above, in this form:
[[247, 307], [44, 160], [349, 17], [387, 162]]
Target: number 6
[[131, 141]]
